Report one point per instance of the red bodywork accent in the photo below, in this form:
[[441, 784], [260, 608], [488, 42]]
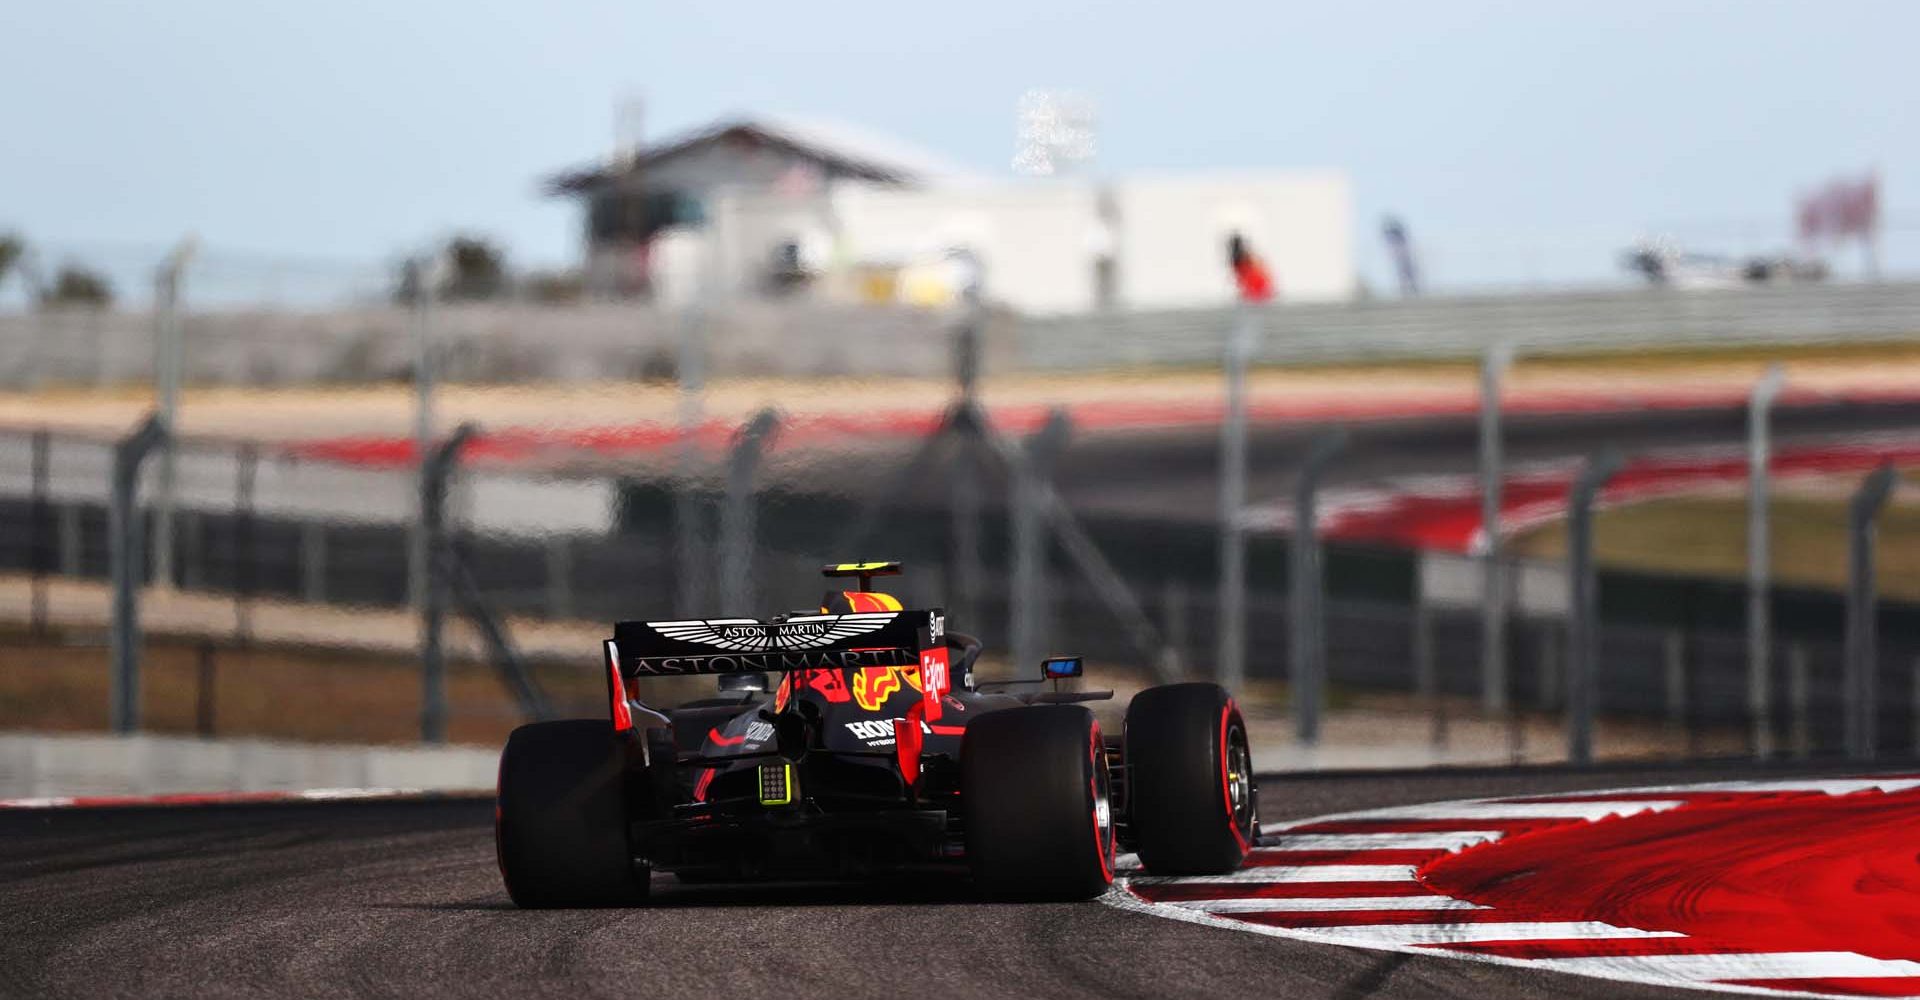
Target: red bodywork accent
[[830, 685], [935, 682], [700, 786], [862, 601], [726, 741], [907, 740], [622, 714], [1226, 792]]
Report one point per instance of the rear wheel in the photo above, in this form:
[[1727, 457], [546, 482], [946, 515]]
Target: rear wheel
[[1190, 793], [1038, 821], [560, 821]]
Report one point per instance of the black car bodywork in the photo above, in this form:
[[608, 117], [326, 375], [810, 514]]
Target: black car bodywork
[[857, 741]]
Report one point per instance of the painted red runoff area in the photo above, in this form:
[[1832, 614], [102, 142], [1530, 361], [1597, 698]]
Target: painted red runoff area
[[510, 445], [1735, 874], [1443, 513], [1803, 885]]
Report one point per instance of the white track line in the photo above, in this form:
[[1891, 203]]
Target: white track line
[[1719, 968], [220, 798], [1290, 874], [1831, 786], [1495, 810], [1387, 935], [1325, 904], [1445, 841]]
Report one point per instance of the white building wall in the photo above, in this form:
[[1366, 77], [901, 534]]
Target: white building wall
[[1038, 241], [1173, 236], [1031, 240]]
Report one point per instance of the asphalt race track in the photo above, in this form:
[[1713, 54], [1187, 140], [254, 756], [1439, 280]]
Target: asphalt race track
[[402, 899]]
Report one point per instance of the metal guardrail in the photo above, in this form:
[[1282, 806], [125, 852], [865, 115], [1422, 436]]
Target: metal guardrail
[[1467, 326]]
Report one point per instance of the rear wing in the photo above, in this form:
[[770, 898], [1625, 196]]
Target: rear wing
[[799, 642]]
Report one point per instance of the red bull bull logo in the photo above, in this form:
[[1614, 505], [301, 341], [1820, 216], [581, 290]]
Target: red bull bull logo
[[872, 686]]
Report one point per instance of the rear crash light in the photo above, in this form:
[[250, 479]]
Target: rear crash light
[[776, 784]]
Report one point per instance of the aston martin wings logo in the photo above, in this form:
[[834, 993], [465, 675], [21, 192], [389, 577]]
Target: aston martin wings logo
[[745, 635]]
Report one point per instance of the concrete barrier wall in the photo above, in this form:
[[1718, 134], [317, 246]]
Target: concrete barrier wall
[[518, 341], [482, 342], [36, 765]]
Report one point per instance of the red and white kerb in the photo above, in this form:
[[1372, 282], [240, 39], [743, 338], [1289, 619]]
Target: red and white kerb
[[1802, 887]]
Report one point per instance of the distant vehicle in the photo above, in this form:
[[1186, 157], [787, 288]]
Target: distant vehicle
[[877, 752], [1663, 264]]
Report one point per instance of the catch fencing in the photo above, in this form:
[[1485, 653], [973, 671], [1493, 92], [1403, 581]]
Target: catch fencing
[[279, 546]]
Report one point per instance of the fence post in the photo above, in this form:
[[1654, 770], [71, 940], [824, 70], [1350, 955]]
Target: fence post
[[964, 496], [1493, 597], [1759, 569], [245, 474], [1079, 550], [1231, 642], [436, 472], [1426, 676], [1030, 471], [39, 549], [1583, 607], [166, 380], [1305, 589], [1863, 681], [419, 278], [737, 522], [126, 541]]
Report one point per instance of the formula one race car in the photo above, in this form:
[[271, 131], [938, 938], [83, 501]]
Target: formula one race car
[[876, 752]]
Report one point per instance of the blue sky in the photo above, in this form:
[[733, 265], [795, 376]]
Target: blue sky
[[1521, 140]]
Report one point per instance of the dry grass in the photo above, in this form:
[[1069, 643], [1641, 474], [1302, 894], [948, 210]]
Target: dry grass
[[58, 683], [1708, 536]]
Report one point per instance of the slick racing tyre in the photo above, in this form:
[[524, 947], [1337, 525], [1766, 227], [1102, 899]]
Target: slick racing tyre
[[560, 822], [1038, 821], [1190, 792]]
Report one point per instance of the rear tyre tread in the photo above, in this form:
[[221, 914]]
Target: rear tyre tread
[[560, 819], [1034, 783]]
